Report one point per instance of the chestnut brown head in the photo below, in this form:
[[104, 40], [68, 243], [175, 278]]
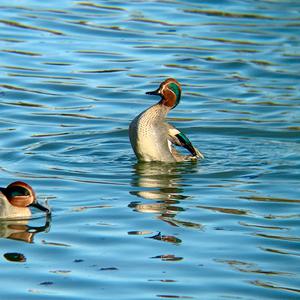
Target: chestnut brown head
[[170, 92], [21, 194]]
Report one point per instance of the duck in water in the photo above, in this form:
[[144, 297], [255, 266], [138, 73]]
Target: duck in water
[[152, 138]]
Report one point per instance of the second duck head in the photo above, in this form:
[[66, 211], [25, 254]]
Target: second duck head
[[21, 194]]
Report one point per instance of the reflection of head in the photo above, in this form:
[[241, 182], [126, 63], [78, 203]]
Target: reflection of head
[[20, 230]]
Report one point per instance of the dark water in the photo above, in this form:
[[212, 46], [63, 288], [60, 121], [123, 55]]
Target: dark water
[[73, 75]]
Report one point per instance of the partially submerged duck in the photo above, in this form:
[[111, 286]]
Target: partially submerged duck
[[152, 138]]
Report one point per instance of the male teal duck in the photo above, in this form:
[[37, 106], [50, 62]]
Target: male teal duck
[[15, 200], [152, 138]]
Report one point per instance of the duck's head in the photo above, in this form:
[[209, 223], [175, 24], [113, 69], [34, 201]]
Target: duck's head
[[170, 92], [21, 194]]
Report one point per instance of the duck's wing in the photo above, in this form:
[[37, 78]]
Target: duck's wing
[[178, 138]]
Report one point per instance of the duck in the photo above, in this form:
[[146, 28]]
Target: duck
[[15, 200], [152, 137]]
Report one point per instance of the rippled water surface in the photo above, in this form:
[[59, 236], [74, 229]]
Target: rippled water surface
[[73, 75]]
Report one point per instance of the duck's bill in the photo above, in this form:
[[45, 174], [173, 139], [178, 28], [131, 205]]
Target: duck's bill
[[41, 207], [156, 92]]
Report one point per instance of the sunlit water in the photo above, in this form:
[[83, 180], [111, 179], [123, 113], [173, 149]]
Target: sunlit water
[[73, 75]]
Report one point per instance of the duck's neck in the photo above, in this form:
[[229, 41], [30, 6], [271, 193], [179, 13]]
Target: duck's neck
[[157, 111]]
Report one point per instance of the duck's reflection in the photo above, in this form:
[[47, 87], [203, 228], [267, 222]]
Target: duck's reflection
[[20, 229], [163, 184]]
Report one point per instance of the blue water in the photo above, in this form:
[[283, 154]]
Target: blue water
[[75, 73]]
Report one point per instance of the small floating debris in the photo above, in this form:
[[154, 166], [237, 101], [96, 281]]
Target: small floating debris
[[139, 232], [109, 269], [166, 238], [168, 257], [47, 283]]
